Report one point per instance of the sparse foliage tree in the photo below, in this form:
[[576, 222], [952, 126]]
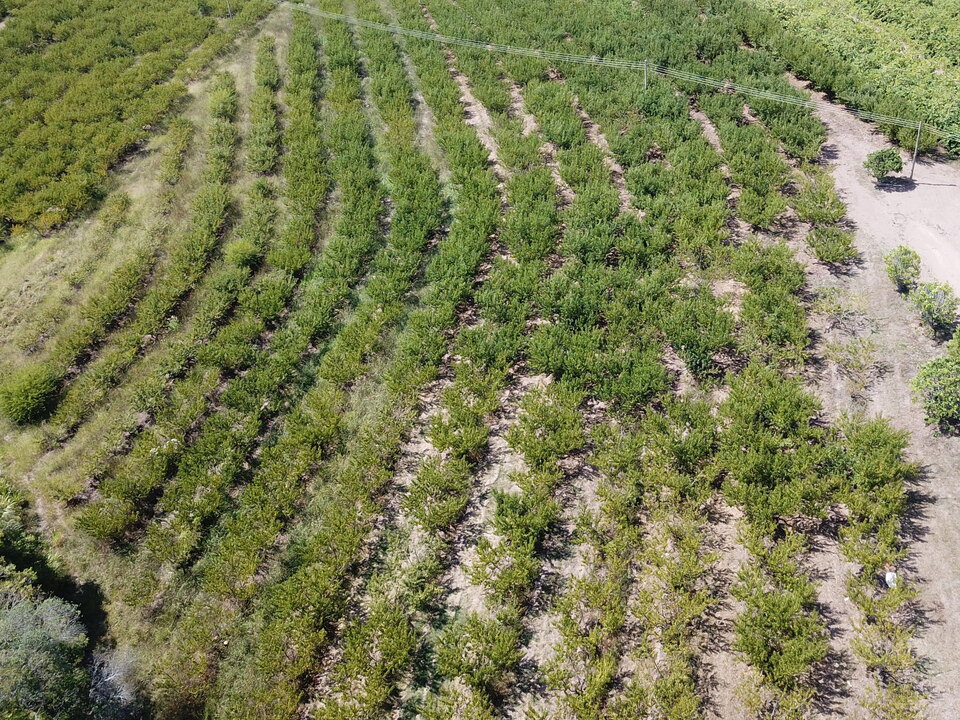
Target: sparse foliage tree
[[903, 267], [937, 304], [42, 646]]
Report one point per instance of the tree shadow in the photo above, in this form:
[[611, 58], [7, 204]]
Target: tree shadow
[[896, 184], [828, 151]]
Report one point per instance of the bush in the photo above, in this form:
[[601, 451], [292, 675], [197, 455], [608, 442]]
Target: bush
[[114, 210], [817, 201], [223, 97], [483, 652], [903, 267], [27, 396], [884, 161], [780, 636], [549, 426], [938, 387], [937, 305], [832, 245], [439, 493], [178, 140]]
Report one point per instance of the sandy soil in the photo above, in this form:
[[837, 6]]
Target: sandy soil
[[926, 216], [722, 671]]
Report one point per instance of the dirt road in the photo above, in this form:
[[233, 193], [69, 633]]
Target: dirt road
[[926, 217]]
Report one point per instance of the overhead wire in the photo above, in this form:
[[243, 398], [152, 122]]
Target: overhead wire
[[634, 65]]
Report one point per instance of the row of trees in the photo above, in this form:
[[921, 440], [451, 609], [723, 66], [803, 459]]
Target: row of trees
[[188, 256], [290, 621], [781, 633]]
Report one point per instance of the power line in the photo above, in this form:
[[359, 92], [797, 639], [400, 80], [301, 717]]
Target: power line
[[636, 65]]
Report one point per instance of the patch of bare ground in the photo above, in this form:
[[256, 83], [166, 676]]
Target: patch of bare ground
[[684, 382], [500, 463], [924, 215], [617, 176], [722, 672], [732, 292], [841, 672], [413, 452], [709, 132], [548, 150], [749, 115]]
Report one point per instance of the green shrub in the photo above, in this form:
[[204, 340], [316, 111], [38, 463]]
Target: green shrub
[[28, 393], [439, 493], [884, 161], [937, 305], [817, 201], [780, 636], [114, 210], [267, 71], [698, 328], [178, 139], [762, 267], [549, 426], [506, 571], [483, 652], [832, 245], [903, 267], [938, 386], [223, 97], [42, 647]]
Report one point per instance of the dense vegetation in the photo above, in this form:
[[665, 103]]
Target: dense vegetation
[[426, 391], [85, 81], [901, 50]]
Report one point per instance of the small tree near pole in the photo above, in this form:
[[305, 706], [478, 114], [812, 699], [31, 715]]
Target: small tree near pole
[[884, 161]]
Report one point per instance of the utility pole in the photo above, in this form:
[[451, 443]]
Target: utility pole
[[229, 9], [916, 147], [644, 74]]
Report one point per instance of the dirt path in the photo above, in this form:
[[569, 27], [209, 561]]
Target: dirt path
[[925, 216]]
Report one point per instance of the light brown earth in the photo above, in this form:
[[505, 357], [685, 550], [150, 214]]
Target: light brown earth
[[925, 215]]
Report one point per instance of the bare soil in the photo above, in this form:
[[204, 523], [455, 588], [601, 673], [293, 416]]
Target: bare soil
[[722, 671], [923, 214]]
